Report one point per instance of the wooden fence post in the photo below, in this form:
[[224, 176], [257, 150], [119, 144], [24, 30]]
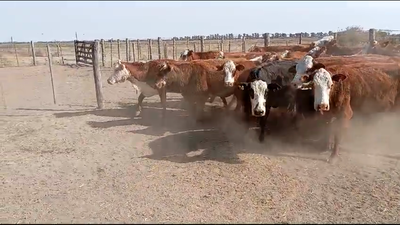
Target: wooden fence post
[[133, 51], [33, 53], [202, 43], [159, 47], [150, 53], [194, 46], [49, 57], [127, 49], [229, 45], [371, 36], [58, 49], [15, 50], [102, 53], [111, 50], [165, 51], [173, 49], [61, 54], [244, 44], [222, 44], [267, 40], [300, 39], [119, 48], [139, 50], [187, 43], [97, 75]]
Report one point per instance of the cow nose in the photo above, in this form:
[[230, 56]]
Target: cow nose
[[110, 82], [258, 112], [228, 84], [323, 107]]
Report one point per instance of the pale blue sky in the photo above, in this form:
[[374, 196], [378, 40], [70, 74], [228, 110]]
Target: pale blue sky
[[42, 21]]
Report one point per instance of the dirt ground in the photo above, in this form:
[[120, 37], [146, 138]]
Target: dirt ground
[[69, 163]]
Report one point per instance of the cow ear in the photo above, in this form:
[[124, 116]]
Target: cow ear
[[339, 77], [242, 86], [190, 52], [239, 67], [219, 68], [292, 69], [274, 87], [165, 67]]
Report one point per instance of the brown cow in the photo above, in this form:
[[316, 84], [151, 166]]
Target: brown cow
[[136, 73], [189, 55], [362, 90], [196, 80]]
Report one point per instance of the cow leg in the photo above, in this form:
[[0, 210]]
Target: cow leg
[[139, 105], [200, 103], [163, 98], [212, 98], [224, 101], [263, 124], [239, 98], [339, 130]]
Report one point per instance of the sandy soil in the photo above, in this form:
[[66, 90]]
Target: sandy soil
[[69, 163]]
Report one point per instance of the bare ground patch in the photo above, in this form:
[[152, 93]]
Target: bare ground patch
[[70, 163]]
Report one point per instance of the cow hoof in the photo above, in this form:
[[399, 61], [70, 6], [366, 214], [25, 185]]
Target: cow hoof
[[138, 113], [261, 138], [332, 159]]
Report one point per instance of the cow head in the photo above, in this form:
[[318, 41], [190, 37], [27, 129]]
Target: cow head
[[230, 69], [185, 55], [305, 66], [121, 73], [322, 83], [159, 74], [257, 90]]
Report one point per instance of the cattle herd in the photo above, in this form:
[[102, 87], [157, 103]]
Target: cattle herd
[[323, 81]]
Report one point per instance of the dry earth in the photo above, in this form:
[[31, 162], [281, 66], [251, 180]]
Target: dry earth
[[68, 163]]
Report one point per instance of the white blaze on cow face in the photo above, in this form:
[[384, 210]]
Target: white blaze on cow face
[[229, 69], [120, 74], [221, 55], [322, 81], [184, 55], [302, 66], [258, 93]]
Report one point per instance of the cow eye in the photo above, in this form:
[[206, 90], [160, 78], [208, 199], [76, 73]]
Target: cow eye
[[251, 92]]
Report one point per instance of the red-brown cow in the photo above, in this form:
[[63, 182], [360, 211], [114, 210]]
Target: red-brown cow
[[189, 55], [362, 90], [196, 80]]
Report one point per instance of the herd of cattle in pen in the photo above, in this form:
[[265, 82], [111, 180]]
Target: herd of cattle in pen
[[323, 81]]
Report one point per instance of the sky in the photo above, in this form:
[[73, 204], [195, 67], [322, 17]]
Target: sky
[[48, 21]]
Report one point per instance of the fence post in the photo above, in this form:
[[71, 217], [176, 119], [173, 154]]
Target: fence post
[[222, 44], [371, 36], [139, 49], [194, 46], [119, 48], [187, 43], [300, 39], [244, 44], [150, 53], [102, 53], [33, 53], [15, 50], [61, 54], [173, 49], [58, 49], [229, 45], [267, 40], [127, 49], [165, 51], [49, 57], [111, 50], [97, 75], [133, 51], [159, 47], [202, 43]]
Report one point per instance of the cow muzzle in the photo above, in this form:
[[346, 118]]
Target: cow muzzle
[[323, 107], [258, 112], [228, 84]]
